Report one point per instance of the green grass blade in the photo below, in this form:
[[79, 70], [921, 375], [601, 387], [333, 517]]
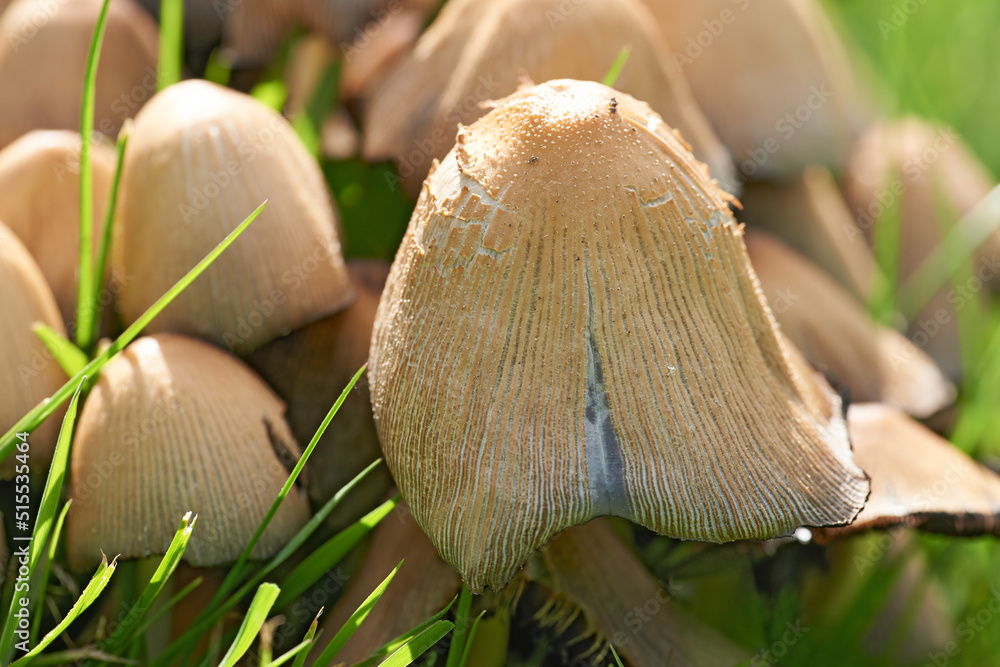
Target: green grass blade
[[300, 660], [458, 646], [164, 571], [616, 68], [308, 124], [42, 584], [85, 281], [170, 604], [41, 411], [298, 649], [271, 93], [354, 622], [217, 69], [217, 608], [231, 579], [76, 656], [416, 647], [392, 645], [97, 299], [471, 639], [618, 661], [171, 43], [87, 597], [69, 357], [252, 622], [332, 552], [44, 522]]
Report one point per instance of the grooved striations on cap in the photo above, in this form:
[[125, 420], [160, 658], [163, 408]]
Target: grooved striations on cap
[[572, 328]]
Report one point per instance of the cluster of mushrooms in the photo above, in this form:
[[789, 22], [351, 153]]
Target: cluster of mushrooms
[[577, 324]]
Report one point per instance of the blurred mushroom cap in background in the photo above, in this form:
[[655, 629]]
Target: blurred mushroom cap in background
[[572, 328], [43, 48], [773, 78], [479, 50]]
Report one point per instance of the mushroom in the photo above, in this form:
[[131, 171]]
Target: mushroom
[[926, 174], [918, 478], [309, 369], [572, 328], [42, 51], [28, 373], [40, 202], [773, 79], [478, 50], [199, 160], [836, 336], [176, 425], [810, 215], [421, 588], [597, 586]]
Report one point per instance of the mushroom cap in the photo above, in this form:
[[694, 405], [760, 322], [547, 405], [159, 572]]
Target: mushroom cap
[[590, 570], [835, 334], [42, 51], [778, 104], [479, 50], [177, 425], [572, 328], [40, 202], [200, 159], [28, 374], [421, 588], [309, 369], [926, 174], [918, 478], [810, 215]]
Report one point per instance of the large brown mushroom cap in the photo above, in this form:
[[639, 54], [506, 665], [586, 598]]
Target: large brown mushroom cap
[[772, 77], [478, 50], [572, 328], [176, 425], [43, 48], [201, 158], [835, 334], [28, 374], [40, 202]]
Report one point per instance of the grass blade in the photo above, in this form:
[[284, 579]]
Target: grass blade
[[85, 281], [87, 597], [470, 640], [310, 637], [391, 646], [171, 43], [230, 580], [41, 411], [618, 661], [43, 522], [69, 357], [354, 622], [170, 604], [416, 647], [126, 628], [616, 68], [332, 552], [97, 300], [252, 622], [458, 647], [298, 649], [216, 608], [43, 583]]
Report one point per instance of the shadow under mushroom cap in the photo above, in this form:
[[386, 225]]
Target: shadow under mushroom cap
[[572, 328]]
